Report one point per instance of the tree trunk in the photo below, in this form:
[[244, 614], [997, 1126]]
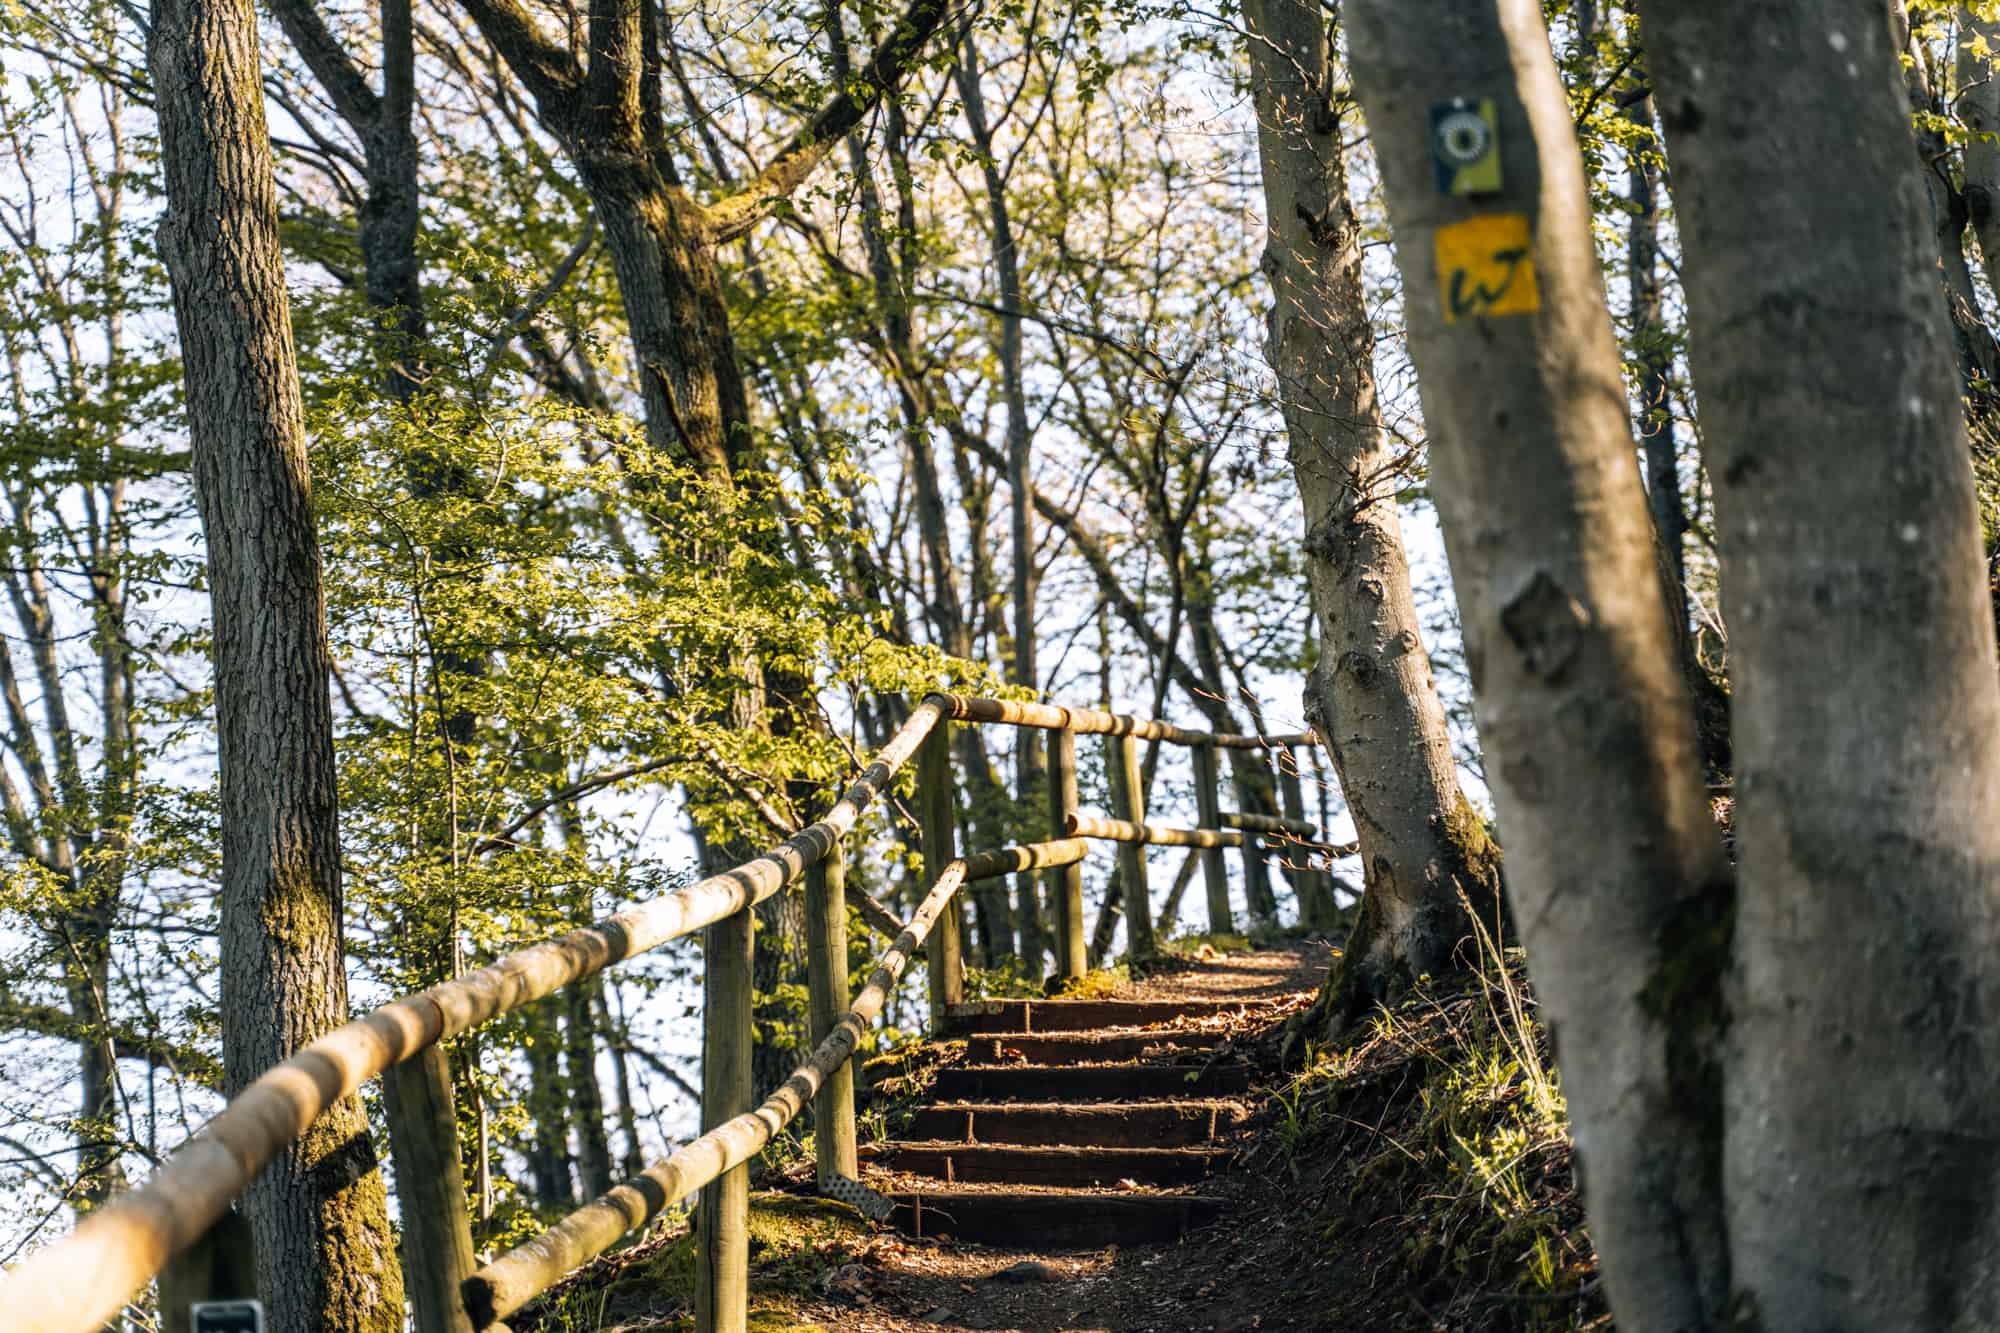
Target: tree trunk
[[1979, 108], [1615, 872], [1859, 1116], [548, 1110], [1654, 354], [1372, 695], [1660, 447], [987, 802], [421, 1110], [1248, 776], [586, 1096], [1976, 352], [325, 1255]]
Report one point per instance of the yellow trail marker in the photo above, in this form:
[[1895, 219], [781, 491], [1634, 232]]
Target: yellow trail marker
[[1486, 266]]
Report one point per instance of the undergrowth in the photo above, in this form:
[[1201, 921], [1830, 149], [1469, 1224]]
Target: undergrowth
[[1433, 1161]]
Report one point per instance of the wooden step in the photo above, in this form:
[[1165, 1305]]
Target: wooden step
[[1092, 1083], [1083, 1047], [1080, 1125], [1052, 1221], [988, 1016], [1013, 1164]]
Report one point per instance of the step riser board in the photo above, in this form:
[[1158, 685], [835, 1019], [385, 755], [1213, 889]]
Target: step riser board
[[1158, 1125], [1054, 1083], [995, 1016], [1081, 1047], [1082, 1167], [1054, 1222]]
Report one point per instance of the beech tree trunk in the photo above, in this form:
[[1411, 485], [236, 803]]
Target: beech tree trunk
[[1615, 872], [1371, 696], [1859, 1158], [325, 1255]]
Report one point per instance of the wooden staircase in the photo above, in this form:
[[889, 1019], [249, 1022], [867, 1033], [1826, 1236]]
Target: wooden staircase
[[1069, 1125]]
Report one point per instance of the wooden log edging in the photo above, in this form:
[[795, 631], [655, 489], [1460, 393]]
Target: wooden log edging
[[1095, 722], [1119, 830], [523, 1273], [78, 1283]]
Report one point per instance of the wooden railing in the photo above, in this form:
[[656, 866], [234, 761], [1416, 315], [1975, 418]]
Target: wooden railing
[[80, 1282]]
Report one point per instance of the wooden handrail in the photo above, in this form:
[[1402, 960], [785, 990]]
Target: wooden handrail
[[1029, 856], [77, 1284], [1093, 722], [1119, 830], [523, 1273], [1298, 828]]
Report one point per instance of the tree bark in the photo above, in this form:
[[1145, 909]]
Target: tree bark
[[325, 1256], [1659, 445], [1859, 1161], [1615, 872], [423, 1121], [1372, 695]]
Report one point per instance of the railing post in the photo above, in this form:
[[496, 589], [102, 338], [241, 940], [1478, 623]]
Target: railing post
[[1065, 882], [937, 809], [722, 1221], [828, 995], [221, 1266], [1312, 885], [430, 1189], [1214, 874], [1128, 803]]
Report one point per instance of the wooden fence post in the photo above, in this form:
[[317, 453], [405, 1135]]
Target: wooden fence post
[[1128, 803], [937, 809], [828, 995], [722, 1221], [1214, 874], [430, 1189], [1313, 886], [221, 1266], [1065, 882]]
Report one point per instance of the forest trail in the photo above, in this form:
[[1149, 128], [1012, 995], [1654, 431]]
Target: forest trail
[[1060, 1168]]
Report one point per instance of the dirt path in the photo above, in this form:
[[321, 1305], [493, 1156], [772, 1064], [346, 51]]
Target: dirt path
[[901, 1284]]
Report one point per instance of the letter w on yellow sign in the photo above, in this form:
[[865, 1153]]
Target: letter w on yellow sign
[[1486, 266]]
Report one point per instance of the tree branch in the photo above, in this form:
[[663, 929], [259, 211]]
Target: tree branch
[[548, 71], [46, 1020], [731, 217], [329, 62]]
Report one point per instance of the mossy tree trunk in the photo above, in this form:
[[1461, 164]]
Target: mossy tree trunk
[[1424, 850], [325, 1255]]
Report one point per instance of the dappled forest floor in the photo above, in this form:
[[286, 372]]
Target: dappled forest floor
[[1419, 1180]]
